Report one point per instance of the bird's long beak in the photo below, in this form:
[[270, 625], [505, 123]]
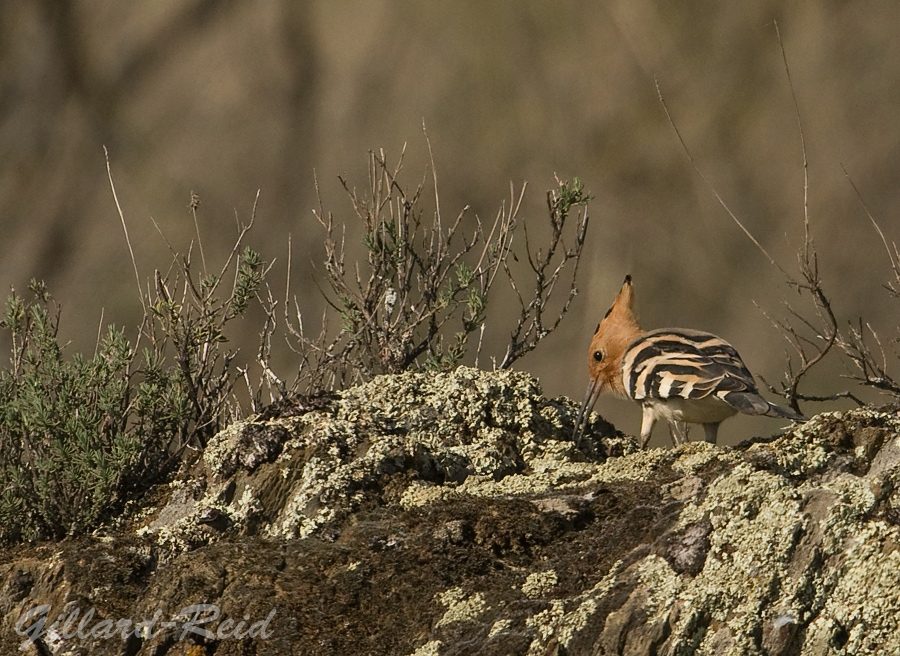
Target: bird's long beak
[[590, 398]]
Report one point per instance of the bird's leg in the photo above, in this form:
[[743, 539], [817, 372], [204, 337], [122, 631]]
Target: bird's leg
[[648, 420], [711, 431], [679, 431]]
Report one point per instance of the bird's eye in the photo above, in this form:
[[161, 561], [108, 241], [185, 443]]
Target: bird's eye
[[598, 355]]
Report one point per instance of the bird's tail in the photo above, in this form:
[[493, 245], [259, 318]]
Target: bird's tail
[[778, 411], [753, 404]]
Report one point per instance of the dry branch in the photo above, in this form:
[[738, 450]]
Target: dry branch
[[424, 285]]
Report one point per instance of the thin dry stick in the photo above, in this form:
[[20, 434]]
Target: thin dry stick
[[437, 200], [893, 256], [287, 282], [99, 334], [112, 186], [787, 72], [507, 223], [809, 263], [480, 341], [871, 373], [195, 203], [243, 230], [712, 189]]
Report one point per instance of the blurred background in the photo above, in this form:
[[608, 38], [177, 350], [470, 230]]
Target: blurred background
[[227, 98]]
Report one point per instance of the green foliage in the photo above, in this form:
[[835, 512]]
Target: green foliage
[[80, 436], [64, 443], [568, 195], [250, 277]]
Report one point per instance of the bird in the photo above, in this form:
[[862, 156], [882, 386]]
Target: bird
[[676, 374]]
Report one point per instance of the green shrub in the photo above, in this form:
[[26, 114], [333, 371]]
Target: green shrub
[[64, 443], [80, 436]]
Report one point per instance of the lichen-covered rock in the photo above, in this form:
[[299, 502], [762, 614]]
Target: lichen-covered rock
[[407, 439], [451, 514]]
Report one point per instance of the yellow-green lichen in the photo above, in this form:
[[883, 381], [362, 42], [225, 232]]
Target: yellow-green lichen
[[692, 456], [430, 648], [460, 606], [222, 444], [865, 598], [776, 510], [758, 519], [556, 622], [539, 584], [660, 580], [499, 627]]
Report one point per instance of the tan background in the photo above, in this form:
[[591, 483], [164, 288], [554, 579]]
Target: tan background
[[224, 98]]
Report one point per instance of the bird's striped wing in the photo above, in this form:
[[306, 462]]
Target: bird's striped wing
[[688, 364]]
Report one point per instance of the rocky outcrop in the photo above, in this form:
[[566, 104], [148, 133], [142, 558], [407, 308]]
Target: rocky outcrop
[[439, 514]]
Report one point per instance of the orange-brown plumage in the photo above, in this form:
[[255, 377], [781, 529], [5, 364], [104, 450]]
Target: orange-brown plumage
[[618, 329]]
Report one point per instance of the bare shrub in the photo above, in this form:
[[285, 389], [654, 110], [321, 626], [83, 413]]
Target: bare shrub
[[869, 364], [422, 291], [810, 337]]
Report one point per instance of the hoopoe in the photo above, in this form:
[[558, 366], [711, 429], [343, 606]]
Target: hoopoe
[[676, 374]]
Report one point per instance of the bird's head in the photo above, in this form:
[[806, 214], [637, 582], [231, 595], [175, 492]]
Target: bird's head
[[615, 332]]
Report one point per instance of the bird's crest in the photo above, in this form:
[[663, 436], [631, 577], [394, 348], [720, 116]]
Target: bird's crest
[[622, 309], [614, 333]]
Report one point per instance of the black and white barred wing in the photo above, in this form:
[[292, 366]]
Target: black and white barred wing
[[688, 364]]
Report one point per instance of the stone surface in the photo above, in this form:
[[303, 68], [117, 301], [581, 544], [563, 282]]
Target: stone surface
[[448, 514]]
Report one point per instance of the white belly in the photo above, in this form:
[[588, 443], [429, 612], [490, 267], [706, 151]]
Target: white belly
[[708, 410]]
